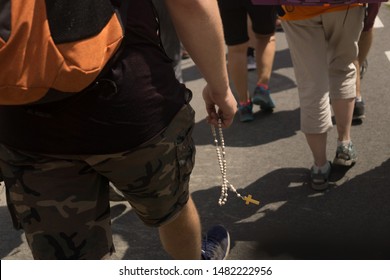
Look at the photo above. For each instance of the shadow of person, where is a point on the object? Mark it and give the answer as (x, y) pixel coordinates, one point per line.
(191, 73)
(349, 221)
(132, 239)
(279, 125)
(282, 59)
(10, 238)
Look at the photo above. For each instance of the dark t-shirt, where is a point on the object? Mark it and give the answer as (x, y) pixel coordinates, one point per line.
(110, 117)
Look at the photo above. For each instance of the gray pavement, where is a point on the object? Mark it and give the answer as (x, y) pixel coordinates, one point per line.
(269, 159)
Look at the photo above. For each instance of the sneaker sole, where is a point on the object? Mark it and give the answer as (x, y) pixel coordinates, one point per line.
(263, 105)
(343, 162)
(320, 187)
(228, 246)
(246, 119)
(358, 117)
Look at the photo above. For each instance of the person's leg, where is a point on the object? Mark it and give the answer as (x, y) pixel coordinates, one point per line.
(367, 35)
(263, 24)
(308, 45)
(317, 144)
(308, 52)
(364, 44)
(342, 71)
(265, 50)
(154, 178)
(344, 31)
(234, 18)
(237, 67)
(343, 109)
(60, 203)
(183, 232)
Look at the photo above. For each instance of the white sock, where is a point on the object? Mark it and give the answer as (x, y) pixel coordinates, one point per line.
(343, 143)
(323, 168)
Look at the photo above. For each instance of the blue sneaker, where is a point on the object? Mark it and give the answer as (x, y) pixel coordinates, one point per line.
(262, 97)
(245, 113)
(216, 243)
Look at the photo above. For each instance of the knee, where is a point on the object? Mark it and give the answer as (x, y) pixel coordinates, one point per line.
(239, 48)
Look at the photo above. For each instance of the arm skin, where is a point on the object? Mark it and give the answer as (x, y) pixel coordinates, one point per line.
(198, 24)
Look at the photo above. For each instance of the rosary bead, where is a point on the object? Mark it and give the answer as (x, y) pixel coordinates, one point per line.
(220, 149)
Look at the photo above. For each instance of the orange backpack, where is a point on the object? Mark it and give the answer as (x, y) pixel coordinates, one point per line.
(59, 45)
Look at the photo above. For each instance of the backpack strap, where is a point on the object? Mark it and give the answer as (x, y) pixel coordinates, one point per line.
(121, 8)
(73, 25)
(5, 20)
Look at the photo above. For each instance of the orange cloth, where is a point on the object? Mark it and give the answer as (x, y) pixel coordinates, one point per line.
(305, 12)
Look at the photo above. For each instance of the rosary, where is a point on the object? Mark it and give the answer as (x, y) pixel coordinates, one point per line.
(220, 148)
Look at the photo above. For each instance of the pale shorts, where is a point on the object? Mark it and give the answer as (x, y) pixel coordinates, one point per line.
(323, 49)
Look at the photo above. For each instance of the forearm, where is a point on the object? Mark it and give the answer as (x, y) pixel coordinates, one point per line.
(199, 27)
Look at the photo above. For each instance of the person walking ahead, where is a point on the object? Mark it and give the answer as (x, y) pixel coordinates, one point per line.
(132, 128)
(235, 22)
(323, 46)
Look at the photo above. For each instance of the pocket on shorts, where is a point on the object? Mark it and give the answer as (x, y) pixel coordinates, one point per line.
(185, 154)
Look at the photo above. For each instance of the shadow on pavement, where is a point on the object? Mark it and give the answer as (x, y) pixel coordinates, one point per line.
(278, 81)
(279, 125)
(349, 221)
(10, 238)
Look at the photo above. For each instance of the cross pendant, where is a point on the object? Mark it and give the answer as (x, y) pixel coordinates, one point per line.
(248, 199)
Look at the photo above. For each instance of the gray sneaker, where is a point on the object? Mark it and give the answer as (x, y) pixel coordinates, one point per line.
(320, 181)
(251, 63)
(358, 110)
(345, 155)
(216, 243)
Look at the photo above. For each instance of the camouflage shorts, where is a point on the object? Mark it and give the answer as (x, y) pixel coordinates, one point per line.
(62, 202)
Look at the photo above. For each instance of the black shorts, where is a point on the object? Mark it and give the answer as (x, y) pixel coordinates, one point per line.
(234, 18)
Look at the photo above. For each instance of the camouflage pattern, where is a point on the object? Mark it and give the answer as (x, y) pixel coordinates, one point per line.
(62, 202)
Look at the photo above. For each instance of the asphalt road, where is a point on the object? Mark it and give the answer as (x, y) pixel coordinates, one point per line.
(269, 159)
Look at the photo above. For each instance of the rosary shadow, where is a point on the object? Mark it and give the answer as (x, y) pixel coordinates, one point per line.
(348, 221)
(278, 125)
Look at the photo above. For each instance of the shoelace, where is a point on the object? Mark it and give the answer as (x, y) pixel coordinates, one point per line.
(210, 249)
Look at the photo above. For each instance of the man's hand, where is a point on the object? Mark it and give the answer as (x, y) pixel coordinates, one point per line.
(219, 105)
